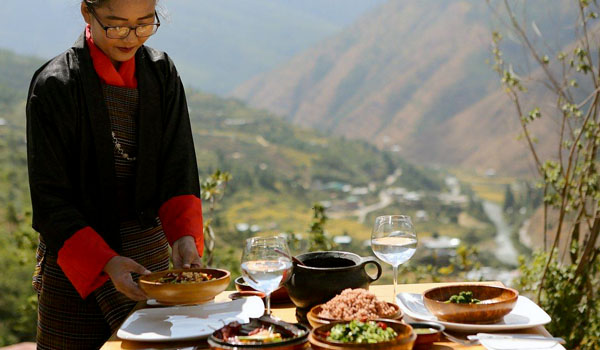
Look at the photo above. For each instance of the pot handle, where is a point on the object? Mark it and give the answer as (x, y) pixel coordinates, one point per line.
(371, 260)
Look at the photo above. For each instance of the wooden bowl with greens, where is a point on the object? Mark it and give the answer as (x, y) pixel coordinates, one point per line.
(470, 303)
(370, 335)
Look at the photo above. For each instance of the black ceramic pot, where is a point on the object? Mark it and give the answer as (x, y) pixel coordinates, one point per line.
(327, 274)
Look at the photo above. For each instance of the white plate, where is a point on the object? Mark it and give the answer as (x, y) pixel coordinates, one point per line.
(526, 314)
(187, 322)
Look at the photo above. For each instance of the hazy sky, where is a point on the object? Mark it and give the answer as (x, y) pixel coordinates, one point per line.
(218, 44)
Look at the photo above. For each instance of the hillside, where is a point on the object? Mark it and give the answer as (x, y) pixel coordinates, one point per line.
(264, 153)
(412, 75)
(17, 303)
(15, 73)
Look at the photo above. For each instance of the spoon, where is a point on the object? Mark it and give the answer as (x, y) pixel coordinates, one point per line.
(462, 341)
(293, 258)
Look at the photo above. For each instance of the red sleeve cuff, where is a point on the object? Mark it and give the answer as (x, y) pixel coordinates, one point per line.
(82, 258)
(182, 216)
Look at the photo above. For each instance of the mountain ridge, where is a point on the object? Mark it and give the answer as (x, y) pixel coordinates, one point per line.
(412, 76)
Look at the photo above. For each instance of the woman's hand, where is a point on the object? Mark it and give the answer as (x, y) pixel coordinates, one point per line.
(119, 268)
(185, 253)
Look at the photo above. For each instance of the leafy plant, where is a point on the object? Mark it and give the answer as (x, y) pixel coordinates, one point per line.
(317, 238)
(565, 285)
(575, 315)
(213, 190)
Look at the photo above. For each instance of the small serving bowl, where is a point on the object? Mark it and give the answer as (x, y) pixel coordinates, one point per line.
(246, 294)
(404, 341)
(298, 336)
(315, 320)
(279, 296)
(427, 333)
(495, 303)
(185, 293)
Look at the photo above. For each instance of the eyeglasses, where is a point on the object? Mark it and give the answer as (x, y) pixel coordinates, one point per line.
(122, 32)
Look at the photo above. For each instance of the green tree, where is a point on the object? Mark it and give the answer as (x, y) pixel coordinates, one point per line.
(317, 238)
(213, 190)
(509, 199)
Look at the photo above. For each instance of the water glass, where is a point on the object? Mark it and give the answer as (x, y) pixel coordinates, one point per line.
(394, 241)
(266, 263)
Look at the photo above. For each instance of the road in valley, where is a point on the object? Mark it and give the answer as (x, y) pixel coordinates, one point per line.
(506, 252)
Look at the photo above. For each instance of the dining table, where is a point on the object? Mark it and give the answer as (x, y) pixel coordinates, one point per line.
(287, 312)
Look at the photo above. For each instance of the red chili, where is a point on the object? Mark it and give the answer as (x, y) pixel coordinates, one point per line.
(256, 330)
(382, 325)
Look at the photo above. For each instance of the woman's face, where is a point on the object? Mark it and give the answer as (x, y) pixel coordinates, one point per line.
(127, 13)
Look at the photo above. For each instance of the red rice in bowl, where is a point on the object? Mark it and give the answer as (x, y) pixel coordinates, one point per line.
(358, 304)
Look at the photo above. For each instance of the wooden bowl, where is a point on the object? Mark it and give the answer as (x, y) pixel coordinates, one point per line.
(185, 293)
(279, 296)
(404, 341)
(315, 320)
(495, 303)
(246, 294)
(425, 340)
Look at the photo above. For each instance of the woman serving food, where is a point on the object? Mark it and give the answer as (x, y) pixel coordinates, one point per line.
(112, 173)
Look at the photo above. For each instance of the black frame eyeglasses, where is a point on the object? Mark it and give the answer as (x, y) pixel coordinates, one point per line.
(122, 32)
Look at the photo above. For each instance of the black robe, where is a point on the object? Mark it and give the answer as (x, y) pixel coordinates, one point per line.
(70, 149)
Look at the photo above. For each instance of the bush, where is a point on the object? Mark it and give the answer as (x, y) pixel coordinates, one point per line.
(575, 315)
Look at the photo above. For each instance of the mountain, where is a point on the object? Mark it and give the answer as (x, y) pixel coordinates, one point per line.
(215, 44)
(412, 75)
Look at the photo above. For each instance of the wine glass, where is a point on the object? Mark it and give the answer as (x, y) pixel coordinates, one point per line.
(394, 241)
(266, 261)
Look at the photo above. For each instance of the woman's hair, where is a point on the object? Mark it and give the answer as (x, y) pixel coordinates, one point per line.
(94, 4)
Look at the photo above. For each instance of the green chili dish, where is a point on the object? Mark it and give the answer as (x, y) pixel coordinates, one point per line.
(361, 332)
(464, 297)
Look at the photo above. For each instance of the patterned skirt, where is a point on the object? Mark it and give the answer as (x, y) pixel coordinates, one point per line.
(65, 321)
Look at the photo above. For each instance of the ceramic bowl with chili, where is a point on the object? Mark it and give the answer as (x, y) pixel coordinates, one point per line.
(260, 333)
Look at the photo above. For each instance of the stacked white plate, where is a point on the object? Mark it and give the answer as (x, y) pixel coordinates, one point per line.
(188, 322)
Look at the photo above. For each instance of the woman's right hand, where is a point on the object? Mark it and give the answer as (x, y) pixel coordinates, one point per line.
(119, 268)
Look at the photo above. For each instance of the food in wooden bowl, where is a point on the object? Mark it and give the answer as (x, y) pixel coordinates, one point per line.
(279, 296)
(377, 334)
(260, 333)
(185, 286)
(470, 303)
(353, 304)
(427, 333)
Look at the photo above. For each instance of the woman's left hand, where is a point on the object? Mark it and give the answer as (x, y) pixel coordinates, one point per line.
(185, 253)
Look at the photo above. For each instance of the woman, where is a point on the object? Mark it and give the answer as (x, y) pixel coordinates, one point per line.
(112, 172)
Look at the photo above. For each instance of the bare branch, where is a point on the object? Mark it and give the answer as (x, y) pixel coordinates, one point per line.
(587, 99)
(534, 53)
(587, 43)
(590, 246)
